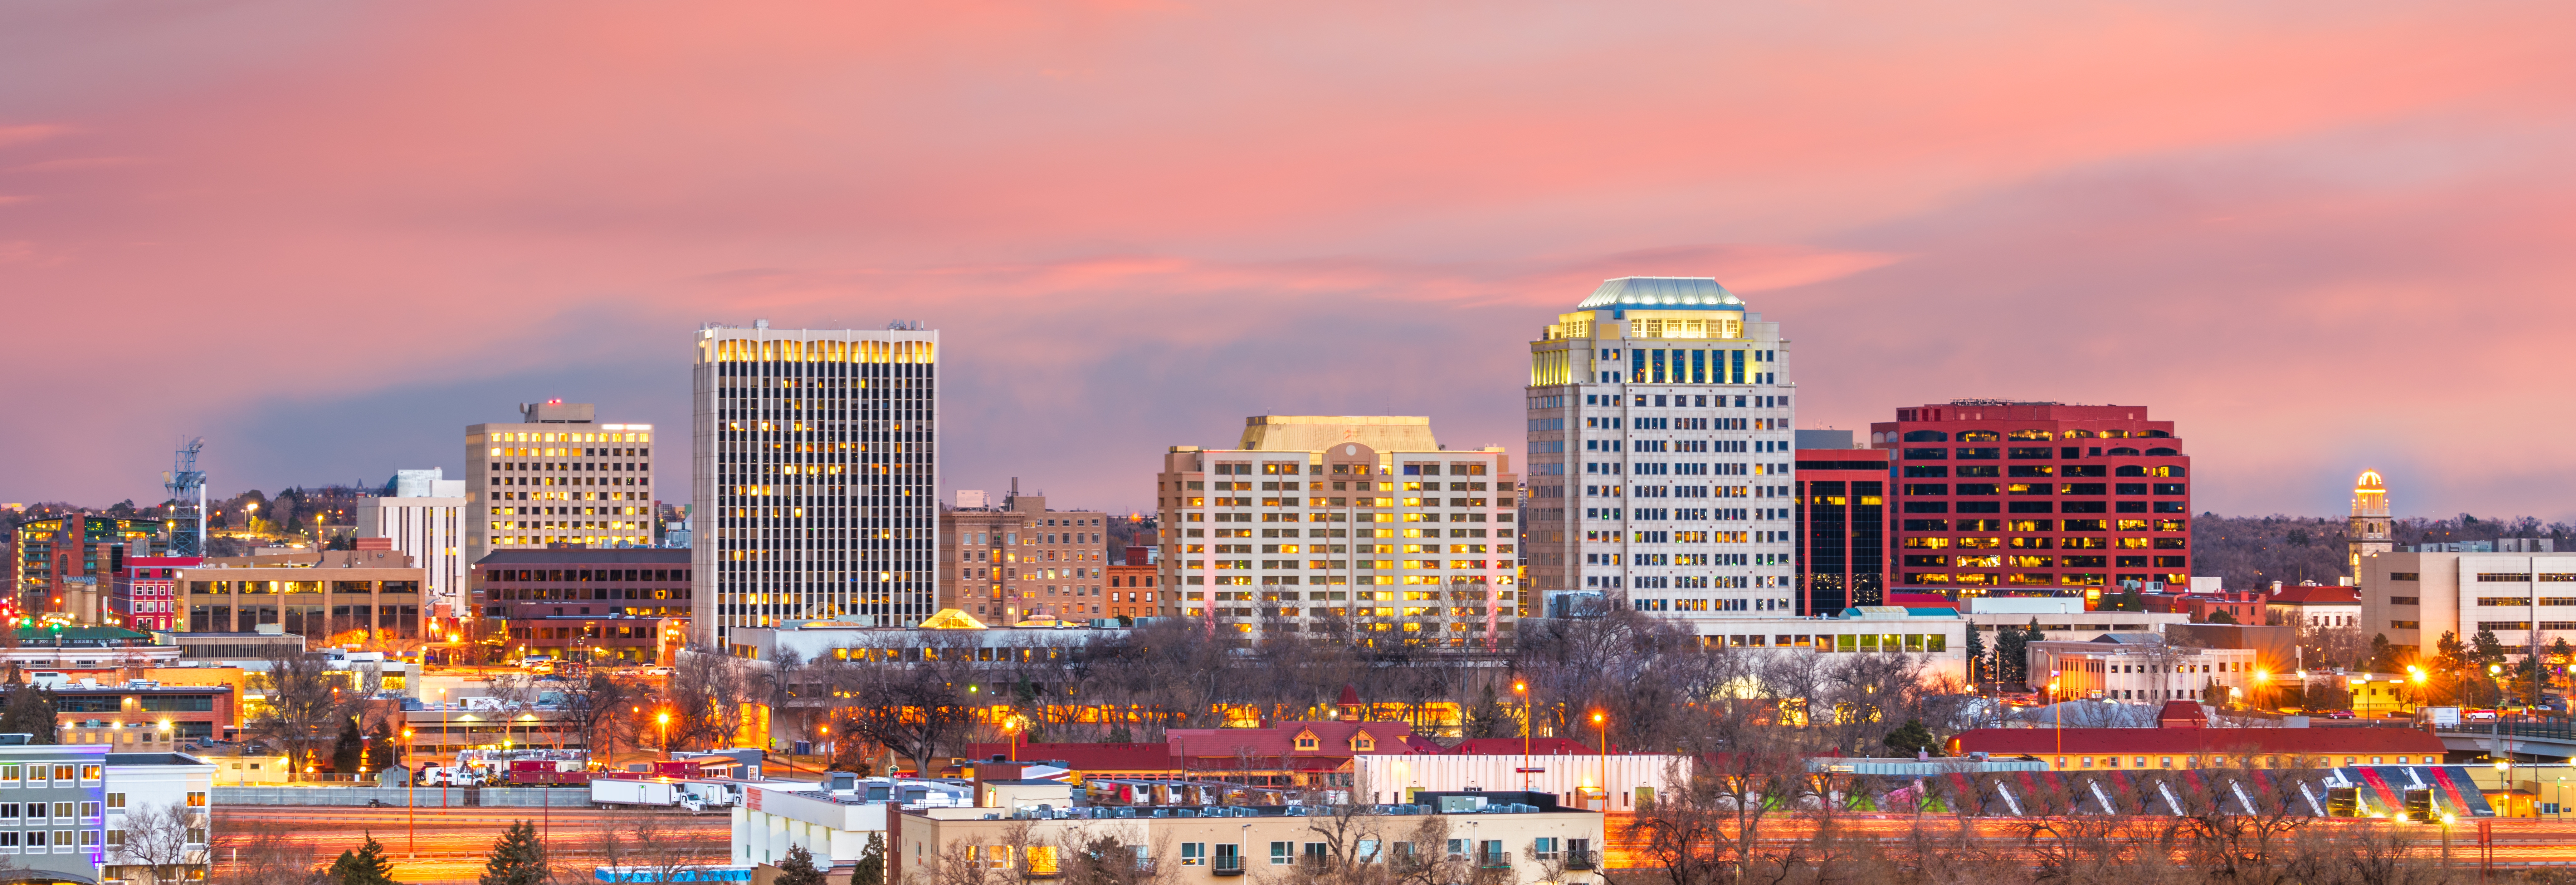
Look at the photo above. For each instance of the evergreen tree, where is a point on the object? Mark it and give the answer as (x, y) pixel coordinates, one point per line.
(345, 752)
(2011, 657)
(1976, 657)
(871, 867)
(517, 858)
(366, 865)
(2222, 616)
(1912, 738)
(1488, 718)
(798, 868)
(29, 710)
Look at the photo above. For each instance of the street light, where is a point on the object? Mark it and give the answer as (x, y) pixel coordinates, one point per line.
(664, 718)
(1603, 723)
(411, 830)
(1520, 688)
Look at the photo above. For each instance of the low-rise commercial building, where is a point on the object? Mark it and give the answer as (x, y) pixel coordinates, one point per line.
(1513, 837)
(2081, 749)
(626, 605)
(2138, 668)
(348, 597)
(82, 802)
(2313, 606)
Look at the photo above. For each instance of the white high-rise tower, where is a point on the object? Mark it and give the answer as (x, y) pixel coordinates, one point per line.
(815, 467)
(1660, 453)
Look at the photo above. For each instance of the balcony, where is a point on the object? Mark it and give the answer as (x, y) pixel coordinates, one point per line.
(1227, 866)
(1494, 860)
(1580, 859)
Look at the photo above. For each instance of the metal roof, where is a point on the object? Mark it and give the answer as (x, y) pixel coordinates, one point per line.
(1662, 293)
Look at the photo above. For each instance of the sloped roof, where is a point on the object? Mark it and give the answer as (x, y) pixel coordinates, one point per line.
(2317, 595)
(1280, 740)
(951, 619)
(2316, 741)
(1547, 746)
(1084, 757)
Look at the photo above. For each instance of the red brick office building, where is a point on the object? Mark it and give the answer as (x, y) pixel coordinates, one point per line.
(616, 605)
(2036, 498)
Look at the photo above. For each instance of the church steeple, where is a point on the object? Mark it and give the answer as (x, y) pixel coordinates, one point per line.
(2368, 529)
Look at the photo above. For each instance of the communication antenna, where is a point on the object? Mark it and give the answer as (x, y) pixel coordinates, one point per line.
(187, 511)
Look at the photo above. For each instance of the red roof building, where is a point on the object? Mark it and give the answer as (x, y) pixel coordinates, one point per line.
(1292, 753)
(1511, 746)
(2079, 749)
(1090, 760)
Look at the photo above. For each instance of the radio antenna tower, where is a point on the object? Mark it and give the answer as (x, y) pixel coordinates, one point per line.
(187, 511)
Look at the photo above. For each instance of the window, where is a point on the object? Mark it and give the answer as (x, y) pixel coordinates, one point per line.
(89, 809)
(2504, 577)
(2393, 576)
(196, 800)
(2405, 625)
(1193, 854)
(1229, 856)
(116, 800)
(1282, 853)
(1543, 848)
(91, 772)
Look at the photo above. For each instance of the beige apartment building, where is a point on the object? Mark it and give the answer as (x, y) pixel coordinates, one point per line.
(1356, 528)
(1021, 560)
(555, 477)
(323, 596)
(1442, 837)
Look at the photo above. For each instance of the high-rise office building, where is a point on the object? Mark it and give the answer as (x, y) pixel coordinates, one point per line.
(1841, 513)
(1368, 531)
(78, 556)
(2369, 525)
(2043, 497)
(557, 477)
(815, 474)
(1022, 560)
(1660, 474)
(423, 513)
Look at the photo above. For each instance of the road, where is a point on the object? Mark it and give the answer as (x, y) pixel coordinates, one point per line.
(2516, 842)
(450, 845)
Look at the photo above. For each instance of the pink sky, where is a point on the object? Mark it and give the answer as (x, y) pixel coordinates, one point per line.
(328, 235)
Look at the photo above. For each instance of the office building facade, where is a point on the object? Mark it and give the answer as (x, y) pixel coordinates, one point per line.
(1367, 531)
(1021, 560)
(557, 477)
(345, 597)
(423, 514)
(621, 605)
(815, 476)
(2044, 498)
(2415, 599)
(1660, 451)
(1841, 535)
(57, 560)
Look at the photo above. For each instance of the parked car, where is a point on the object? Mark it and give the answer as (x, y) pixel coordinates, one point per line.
(2339, 714)
(2477, 715)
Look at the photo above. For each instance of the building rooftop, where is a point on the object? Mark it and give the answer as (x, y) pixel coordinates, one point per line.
(572, 555)
(1662, 293)
(2047, 741)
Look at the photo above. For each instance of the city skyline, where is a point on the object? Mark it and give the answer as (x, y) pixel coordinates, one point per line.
(2080, 219)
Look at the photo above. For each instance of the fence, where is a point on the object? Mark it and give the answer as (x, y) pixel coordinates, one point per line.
(425, 797)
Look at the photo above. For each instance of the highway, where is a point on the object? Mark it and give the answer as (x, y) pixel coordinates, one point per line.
(450, 845)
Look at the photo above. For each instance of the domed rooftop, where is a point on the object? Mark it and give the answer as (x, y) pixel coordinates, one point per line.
(1662, 293)
(2370, 480)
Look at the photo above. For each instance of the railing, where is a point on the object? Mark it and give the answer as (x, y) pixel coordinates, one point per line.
(1227, 866)
(1582, 860)
(1494, 860)
(1036, 871)
(2555, 728)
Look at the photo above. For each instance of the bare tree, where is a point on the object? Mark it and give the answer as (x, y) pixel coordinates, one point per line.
(165, 839)
(706, 693)
(302, 706)
(265, 854)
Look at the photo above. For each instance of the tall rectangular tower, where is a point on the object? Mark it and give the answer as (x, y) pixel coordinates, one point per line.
(815, 474)
(1660, 462)
(423, 513)
(557, 477)
(2041, 498)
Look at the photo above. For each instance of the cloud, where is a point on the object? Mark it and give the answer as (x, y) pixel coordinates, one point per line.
(2316, 242)
(30, 133)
